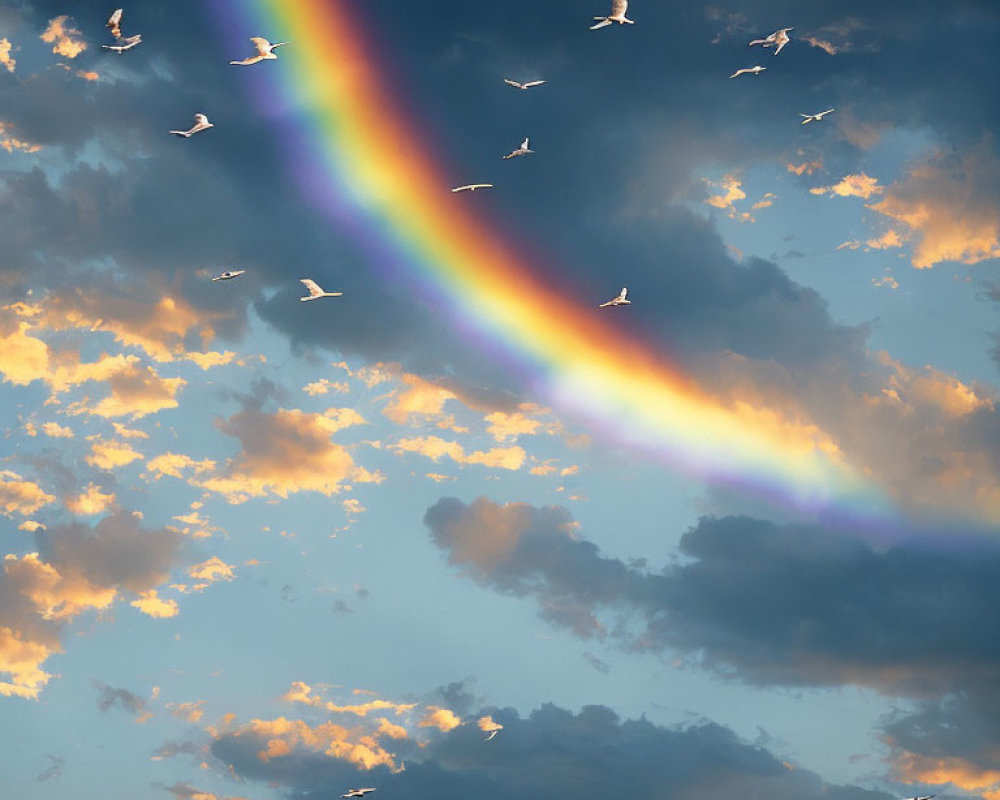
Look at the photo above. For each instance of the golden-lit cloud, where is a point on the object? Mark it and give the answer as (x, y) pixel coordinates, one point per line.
(323, 386)
(211, 359)
(806, 167)
(175, 465)
(6, 59)
(189, 712)
(91, 501)
(420, 398)
(940, 770)
(283, 453)
(211, 571)
(732, 192)
(152, 605)
(87, 75)
(66, 40)
(301, 692)
(57, 431)
(487, 724)
(56, 594)
(137, 391)
(435, 448)
(110, 454)
(10, 142)
(861, 185)
(947, 206)
(504, 427)
(21, 662)
(443, 719)
(21, 496)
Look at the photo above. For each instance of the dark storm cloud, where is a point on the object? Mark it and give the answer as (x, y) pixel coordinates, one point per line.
(772, 604)
(555, 753)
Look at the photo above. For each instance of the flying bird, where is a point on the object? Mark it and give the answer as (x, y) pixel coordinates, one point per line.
(923, 797)
(521, 151)
(814, 117)
(493, 733)
(265, 51)
(471, 187)
(748, 71)
(201, 123)
(518, 85)
(778, 39)
(315, 293)
(114, 23)
(355, 792)
(617, 301)
(229, 274)
(125, 44)
(618, 9)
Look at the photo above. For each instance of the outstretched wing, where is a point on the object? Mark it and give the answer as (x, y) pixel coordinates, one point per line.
(602, 24)
(114, 23)
(618, 8)
(529, 84)
(624, 292)
(315, 291)
(524, 145)
(263, 45)
(515, 84)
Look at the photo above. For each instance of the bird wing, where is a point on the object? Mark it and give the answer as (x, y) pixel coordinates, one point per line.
(263, 45)
(780, 45)
(739, 72)
(618, 8)
(114, 23)
(524, 145)
(602, 24)
(529, 84)
(515, 84)
(315, 291)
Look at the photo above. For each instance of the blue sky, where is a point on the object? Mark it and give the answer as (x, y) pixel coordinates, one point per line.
(261, 549)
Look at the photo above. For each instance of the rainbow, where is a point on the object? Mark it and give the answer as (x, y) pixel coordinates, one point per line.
(361, 171)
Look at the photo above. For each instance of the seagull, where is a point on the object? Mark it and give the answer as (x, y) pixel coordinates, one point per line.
(815, 117)
(201, 123)
(617, 301)
(114, 23)
(471, 187)
(521, 151)
(924, 797)
(265, 51)
(356, 792)
(315, 292)
(493, 733)
(778, 39)
(618, 9)
(229, 274)
(126, 44)
(748, 71)
(518, 85)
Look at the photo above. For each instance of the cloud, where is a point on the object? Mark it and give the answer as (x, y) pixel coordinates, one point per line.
(421, 398)
(504, 427)
(860, 185)
(301, 692)
(21, 496)
(152, 605)
(91, 501)
(211, 571)
(66, 40)
(10, 142)
(6, 59)
(185, 791)
(443, 719)
(110, 455)
(435, 448)
(948, 206)
(110, 697)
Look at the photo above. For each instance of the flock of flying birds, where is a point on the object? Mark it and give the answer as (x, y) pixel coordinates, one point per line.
(265, 52)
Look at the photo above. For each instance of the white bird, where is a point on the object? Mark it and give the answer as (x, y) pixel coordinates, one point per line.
(778, 39)
(748, 71)
(315, 293)
(815, 117)
(493, 733)
(114, 23)
(265, 51)
(201, 123)
(617, 301)
(229, 274)
(924, 797)
(518, 85)
(618, 9)
(521, 151)
(126, 44)
(358, 792)
(471, 187)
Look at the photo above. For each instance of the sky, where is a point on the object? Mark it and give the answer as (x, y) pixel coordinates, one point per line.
(740, 535)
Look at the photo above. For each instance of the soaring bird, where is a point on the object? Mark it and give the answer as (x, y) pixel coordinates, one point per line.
(126, 43)
(357, 792)
(748, 71)
(114, 23)
(518, 85)
(814, 117)
(315, 293)
(617, 301)
(229, 274)
(618, 9)
(265, 51)
(471, 187)
(778, 39)
(521, 151)
(924, 797)
(201, 123)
